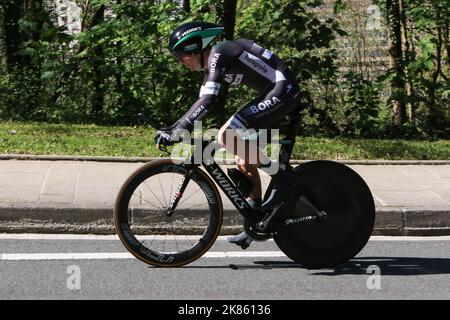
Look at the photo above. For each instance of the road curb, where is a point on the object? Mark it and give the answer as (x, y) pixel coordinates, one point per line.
(89, 220)
(148, 159)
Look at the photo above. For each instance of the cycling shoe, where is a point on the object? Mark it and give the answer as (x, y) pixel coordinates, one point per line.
(243, 240)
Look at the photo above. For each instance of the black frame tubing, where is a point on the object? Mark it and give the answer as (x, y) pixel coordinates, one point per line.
(230, 189)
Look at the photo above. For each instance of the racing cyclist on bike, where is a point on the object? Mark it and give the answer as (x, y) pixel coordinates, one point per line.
(239, 62)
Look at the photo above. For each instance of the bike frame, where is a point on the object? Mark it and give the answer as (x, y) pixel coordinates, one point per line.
(228, 186)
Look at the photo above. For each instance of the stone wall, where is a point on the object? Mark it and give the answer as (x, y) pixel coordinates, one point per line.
(68, 14)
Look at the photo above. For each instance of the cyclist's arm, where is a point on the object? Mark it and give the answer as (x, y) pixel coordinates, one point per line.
(195, 113)
(208, 92)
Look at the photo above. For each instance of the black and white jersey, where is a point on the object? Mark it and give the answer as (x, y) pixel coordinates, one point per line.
(239, 62)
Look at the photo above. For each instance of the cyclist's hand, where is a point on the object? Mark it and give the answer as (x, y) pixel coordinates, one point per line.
(163, 139)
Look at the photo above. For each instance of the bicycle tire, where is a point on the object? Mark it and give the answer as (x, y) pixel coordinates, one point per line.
(350, 208)
(124, 215)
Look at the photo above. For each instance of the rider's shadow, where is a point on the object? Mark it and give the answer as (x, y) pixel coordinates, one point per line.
(394, 266)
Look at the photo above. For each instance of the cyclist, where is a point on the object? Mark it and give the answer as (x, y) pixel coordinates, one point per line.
(239, 62)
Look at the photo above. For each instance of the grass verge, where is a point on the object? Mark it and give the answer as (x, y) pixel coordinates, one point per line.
(93, 140)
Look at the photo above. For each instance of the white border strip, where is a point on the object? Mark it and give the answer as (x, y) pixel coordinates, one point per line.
(35, 236)
(64, 256)
(125, 255)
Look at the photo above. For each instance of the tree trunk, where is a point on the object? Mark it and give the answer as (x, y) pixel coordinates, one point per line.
(226, 16)
(396, 62)
(13, 11)
(407, 51)
(446, 35)
(35, 7)
(437, 72)
(98, 78)
(118, 72)
(35, 14)
(187, 6)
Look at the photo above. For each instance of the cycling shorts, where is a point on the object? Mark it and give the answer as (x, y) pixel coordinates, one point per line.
(269, 109)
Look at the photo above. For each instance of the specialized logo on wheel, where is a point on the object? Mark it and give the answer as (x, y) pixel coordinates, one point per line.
(156, 256)
(298, 220)
(208, 192)
(128, 234)
(174, 168)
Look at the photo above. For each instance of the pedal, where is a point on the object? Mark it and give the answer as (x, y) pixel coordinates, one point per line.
(244, 244)
(254, 233)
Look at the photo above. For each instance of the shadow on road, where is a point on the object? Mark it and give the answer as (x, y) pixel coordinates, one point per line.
(392, 266)
(255, 265)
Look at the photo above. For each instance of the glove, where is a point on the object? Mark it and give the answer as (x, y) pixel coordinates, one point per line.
(163, 138)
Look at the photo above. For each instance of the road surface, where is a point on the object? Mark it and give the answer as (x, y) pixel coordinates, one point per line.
(98, 267)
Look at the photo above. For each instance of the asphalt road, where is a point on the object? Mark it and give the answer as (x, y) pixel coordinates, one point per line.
(88, 267)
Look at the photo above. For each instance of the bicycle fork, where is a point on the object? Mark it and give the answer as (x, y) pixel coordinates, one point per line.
(178, 193)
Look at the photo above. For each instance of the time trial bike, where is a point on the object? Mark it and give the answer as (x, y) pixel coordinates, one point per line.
(324, 221)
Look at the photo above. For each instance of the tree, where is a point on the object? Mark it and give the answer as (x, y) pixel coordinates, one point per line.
(396, 62)
(226, 16)
(187, 6)
(428, 34)
(12, 12)
(97, 65)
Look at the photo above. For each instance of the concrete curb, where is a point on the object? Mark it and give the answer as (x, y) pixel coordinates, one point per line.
(148, 159)
(84, 220)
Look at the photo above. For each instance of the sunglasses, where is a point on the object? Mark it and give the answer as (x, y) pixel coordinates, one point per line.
(179, 55)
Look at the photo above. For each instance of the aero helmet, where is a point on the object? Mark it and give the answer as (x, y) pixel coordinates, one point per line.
(193, 37)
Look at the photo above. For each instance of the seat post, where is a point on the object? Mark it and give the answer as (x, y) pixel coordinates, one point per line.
(287, 144)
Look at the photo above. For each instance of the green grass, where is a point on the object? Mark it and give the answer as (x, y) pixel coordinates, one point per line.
(83, 140)
(371, 149)
(93, 140)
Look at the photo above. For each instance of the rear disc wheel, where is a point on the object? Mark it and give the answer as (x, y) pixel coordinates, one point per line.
(350, 209)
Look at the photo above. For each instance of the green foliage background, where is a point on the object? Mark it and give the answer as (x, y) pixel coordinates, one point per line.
(56, 72)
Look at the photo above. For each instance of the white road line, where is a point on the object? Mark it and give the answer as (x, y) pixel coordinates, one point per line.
(125, 255)
(32, 236)
(64, 256)
(410, 238)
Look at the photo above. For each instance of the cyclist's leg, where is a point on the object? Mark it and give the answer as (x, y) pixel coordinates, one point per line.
(248, 157)
(251, 171)
(265, 112)
(232, 137)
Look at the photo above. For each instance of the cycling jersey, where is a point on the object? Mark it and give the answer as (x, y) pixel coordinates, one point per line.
(243, 62)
